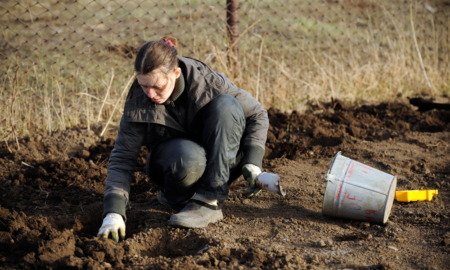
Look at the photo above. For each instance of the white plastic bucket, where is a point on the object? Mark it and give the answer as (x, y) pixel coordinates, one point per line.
(357, 191)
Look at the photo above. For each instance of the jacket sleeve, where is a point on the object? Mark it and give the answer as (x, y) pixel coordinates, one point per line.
(257, 126)
(122, 165)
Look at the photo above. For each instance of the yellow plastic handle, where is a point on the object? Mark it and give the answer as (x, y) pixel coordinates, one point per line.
(415, 195)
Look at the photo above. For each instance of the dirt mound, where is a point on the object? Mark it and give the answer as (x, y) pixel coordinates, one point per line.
(52, 187)
(335, 126)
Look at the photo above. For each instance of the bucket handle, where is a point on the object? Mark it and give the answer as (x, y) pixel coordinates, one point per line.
(330, 177)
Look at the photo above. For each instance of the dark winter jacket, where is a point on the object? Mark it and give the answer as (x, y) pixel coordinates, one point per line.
(145, 122)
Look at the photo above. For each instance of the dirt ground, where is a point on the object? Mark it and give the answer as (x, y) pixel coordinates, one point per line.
(51, 200)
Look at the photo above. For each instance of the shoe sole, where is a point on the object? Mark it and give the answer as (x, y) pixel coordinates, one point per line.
(186, 224)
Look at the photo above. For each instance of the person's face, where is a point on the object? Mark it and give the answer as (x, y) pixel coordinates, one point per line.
(157, 85)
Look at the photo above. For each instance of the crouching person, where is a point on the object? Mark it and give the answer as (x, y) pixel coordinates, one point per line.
(202, 132)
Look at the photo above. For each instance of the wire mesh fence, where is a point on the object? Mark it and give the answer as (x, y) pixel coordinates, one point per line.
(66, 62)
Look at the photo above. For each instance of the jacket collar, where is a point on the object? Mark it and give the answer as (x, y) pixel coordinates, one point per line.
(177, 90)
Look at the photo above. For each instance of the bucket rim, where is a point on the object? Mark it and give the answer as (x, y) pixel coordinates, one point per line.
(332, 162)
(328, 173)
(389, 202)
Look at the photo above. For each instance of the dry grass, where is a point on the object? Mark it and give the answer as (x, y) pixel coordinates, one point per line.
(71, 70)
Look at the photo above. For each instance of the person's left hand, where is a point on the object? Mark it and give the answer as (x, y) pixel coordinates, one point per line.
(250, 172)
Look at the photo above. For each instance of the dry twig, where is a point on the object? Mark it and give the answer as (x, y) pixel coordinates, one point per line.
(127, 86)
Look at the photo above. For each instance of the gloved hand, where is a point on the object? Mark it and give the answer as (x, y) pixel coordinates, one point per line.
(112, 224)
(250, 172)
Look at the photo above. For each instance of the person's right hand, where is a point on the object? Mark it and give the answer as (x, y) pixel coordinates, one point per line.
(113, 225)
(250, 172)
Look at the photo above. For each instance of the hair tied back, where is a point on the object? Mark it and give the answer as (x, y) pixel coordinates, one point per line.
(168, 42)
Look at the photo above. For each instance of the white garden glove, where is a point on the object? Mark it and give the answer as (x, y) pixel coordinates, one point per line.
(250, 172)
(112, 224)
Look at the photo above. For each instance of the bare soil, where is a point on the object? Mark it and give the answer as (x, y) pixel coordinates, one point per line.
(51, 200)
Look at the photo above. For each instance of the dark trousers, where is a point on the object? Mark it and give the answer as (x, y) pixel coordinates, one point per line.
(207, 164)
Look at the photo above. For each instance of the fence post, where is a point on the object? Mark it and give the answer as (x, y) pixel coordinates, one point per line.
(233, 34)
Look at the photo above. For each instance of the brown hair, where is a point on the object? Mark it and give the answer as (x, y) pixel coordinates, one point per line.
(157, 54)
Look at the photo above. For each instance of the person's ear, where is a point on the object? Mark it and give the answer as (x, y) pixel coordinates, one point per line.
(177, 72)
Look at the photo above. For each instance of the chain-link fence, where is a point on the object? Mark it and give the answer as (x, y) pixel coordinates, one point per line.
(67, 62)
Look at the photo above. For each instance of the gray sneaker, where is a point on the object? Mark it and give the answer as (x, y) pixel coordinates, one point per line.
(196, 214)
